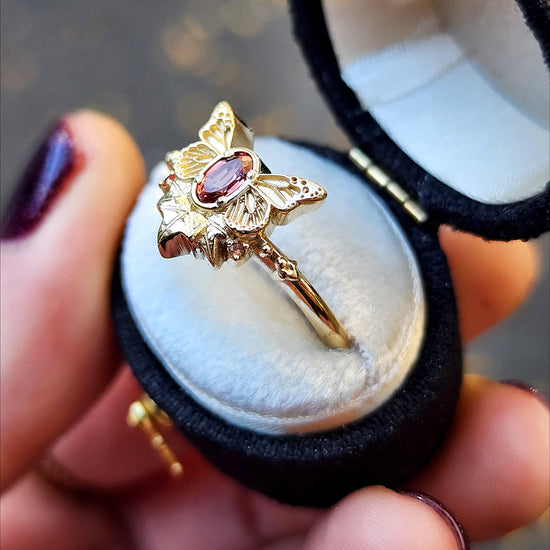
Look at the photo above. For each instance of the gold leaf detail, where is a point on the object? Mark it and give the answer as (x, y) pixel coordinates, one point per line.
(214, 248)
(183, 202)
(178, 218)
(194, 225)
(173, 244)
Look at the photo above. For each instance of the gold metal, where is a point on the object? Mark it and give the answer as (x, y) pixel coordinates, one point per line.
(146, 415)
(359, 158)
(378, 175)
(382, 179)
(237, 226)
(286, 272)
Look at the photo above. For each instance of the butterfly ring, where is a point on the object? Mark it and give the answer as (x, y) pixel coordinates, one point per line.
(221, 203)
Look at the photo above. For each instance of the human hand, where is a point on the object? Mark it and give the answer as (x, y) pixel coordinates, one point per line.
(65, 392)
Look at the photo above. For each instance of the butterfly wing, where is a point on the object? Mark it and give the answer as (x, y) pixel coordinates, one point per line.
(249, 212)
(290, 195)
(218, 132)
(191, 160)
(216, 138)
(252, 210)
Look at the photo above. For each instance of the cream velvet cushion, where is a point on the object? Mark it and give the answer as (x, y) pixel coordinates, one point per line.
(235, 342)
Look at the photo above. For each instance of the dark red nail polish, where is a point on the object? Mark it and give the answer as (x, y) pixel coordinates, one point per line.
(46, 174)
(526, 387)
(450, 520)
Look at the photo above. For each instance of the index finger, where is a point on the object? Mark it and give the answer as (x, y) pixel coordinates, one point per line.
(58, 248)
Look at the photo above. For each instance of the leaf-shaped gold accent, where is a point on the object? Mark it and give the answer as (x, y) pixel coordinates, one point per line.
(180, 227)
(287, 192)
(174, 203)
(171, 211)
(194, 225)
(177, 211)
(191, 160)
(217, 133)
(214, 248)
(172, 245)
(248, 212)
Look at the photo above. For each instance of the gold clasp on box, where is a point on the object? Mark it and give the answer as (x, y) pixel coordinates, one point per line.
(147, 416)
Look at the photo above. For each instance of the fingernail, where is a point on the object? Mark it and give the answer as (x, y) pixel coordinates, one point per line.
(450, 520)
(46, 175)
(526, 387)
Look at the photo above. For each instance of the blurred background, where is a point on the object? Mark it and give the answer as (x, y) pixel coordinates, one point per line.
(159, 68)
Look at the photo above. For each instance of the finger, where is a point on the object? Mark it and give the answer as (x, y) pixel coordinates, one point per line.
(293, 542)
(58, 348)
(36, 515)
(491, 279)
(376, 517)
(492, 471)
(160, 511)
(101, 451)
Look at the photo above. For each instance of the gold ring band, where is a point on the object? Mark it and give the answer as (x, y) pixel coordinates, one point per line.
(221, 203)
(300, 290)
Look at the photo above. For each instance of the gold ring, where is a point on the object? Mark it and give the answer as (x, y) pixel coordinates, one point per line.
(221, 203)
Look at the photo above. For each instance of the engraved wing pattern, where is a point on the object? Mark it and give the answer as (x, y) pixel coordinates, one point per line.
(249, 212)
(218, 132)
(216, 136)
(253, 209)
(288, 192)
(190, 161)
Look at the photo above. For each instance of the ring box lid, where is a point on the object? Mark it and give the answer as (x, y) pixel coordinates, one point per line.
(451, 131)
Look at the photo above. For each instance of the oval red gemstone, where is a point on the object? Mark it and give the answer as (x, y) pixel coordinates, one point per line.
(224, 177)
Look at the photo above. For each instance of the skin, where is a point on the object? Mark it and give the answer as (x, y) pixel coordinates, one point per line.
(70, 399)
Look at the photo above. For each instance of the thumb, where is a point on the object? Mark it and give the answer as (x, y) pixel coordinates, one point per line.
(60, 236)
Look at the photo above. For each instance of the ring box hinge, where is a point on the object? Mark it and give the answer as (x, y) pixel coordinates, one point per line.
(382, 179)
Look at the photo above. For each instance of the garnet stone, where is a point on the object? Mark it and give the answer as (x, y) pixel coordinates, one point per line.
(224, 177)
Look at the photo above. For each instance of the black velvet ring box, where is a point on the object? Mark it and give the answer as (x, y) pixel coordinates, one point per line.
(440, 136)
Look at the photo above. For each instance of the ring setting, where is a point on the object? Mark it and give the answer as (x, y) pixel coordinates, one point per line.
(221, 203)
